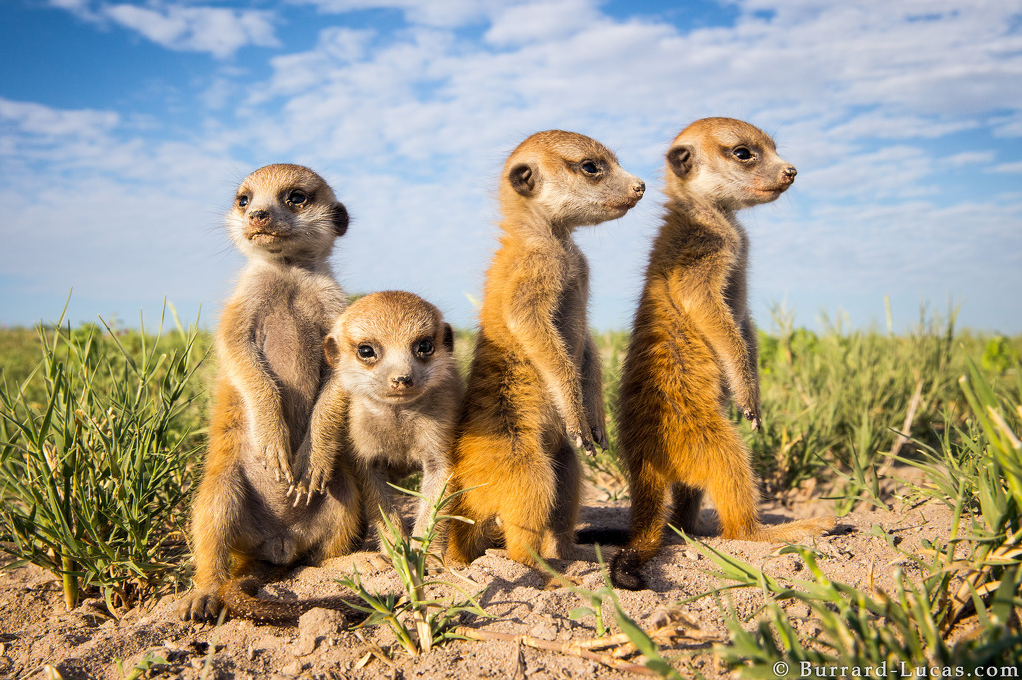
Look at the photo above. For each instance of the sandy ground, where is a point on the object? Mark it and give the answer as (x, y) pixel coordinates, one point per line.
(36, 631)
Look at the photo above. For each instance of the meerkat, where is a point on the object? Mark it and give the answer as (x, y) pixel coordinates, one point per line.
(693, 344)
(392, 399)
(285, 219)
(534, 389)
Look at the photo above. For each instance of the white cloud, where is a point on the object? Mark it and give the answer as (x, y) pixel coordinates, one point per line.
(969, 158)
(219, 31)
(540, 22)
(449, 13)
(35, 119)
(1008, 167)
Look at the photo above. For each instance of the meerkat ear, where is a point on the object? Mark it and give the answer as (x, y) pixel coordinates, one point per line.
(523, 179)
(331, 351)
(679, 160)
(340, 218)
(448, 337)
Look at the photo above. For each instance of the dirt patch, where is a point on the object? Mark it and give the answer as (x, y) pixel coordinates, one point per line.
(36, 630)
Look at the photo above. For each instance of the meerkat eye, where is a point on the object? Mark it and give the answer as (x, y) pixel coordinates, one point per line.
(297, 198)
(424, 348)
(590, 168)
(366, 352)
(741, 153)
(241, 200)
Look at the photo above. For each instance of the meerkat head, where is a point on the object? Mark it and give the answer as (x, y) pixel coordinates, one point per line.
(728, 162)
(391, 347)
(286, 212)
(567, 179)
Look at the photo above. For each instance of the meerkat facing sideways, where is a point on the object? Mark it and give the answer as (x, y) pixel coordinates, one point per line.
(392, 400)
(693, 342)
(535, 386)
(269, 343)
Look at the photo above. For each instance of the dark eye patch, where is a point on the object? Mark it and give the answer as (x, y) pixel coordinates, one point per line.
(424, 348)
(297, 198)
(742, 153)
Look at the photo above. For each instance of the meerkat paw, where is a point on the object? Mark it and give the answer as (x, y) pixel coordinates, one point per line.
(586, 445)
(748, 403)
(311, 483)
(754, 418)
(582, 435)
(200, 605)
(276, 458)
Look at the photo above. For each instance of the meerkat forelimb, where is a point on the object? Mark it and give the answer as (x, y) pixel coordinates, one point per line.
(534, 391)
(693, 345)
(284, 219)
(393, 397)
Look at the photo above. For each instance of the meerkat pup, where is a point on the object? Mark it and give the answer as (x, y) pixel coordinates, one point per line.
(392, 399)
(693, 344)
(269, 344)
(534, 390)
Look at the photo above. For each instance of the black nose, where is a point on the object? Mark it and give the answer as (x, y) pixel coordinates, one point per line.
(400, 382)
(639, 187)
(790, 172)
(258, 216)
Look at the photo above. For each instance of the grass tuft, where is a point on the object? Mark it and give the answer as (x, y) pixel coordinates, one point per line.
(94, 453)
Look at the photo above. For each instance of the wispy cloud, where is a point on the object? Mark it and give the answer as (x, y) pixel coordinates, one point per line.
(449, 14)
(219, 31)
(1008, 167)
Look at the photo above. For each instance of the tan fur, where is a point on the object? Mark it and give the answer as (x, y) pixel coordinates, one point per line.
(535, 384)
(693, 344)
(392, 400)
(284, 219)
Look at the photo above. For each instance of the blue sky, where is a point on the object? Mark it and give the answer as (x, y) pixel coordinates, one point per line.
(125, 127)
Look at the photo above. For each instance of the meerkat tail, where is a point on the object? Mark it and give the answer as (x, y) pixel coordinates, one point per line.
(239, 596)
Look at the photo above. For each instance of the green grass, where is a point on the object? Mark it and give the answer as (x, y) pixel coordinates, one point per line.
(97, 451)
(101, 434)
(975, 576)
(418, 621)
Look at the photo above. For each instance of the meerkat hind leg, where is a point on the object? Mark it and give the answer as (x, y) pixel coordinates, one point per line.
(648, 491)
(466, 542)
(730, 482)
(525, 512)
(687, 502)
(379, 503)
(559, 541)
(433, 483)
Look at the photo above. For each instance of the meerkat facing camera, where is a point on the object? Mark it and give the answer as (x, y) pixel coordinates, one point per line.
(392, 399)
(284, 219)
(534, 391)
(693, 344)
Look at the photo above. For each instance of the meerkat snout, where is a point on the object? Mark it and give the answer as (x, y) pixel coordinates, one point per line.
(258, 218)
(401, 382)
